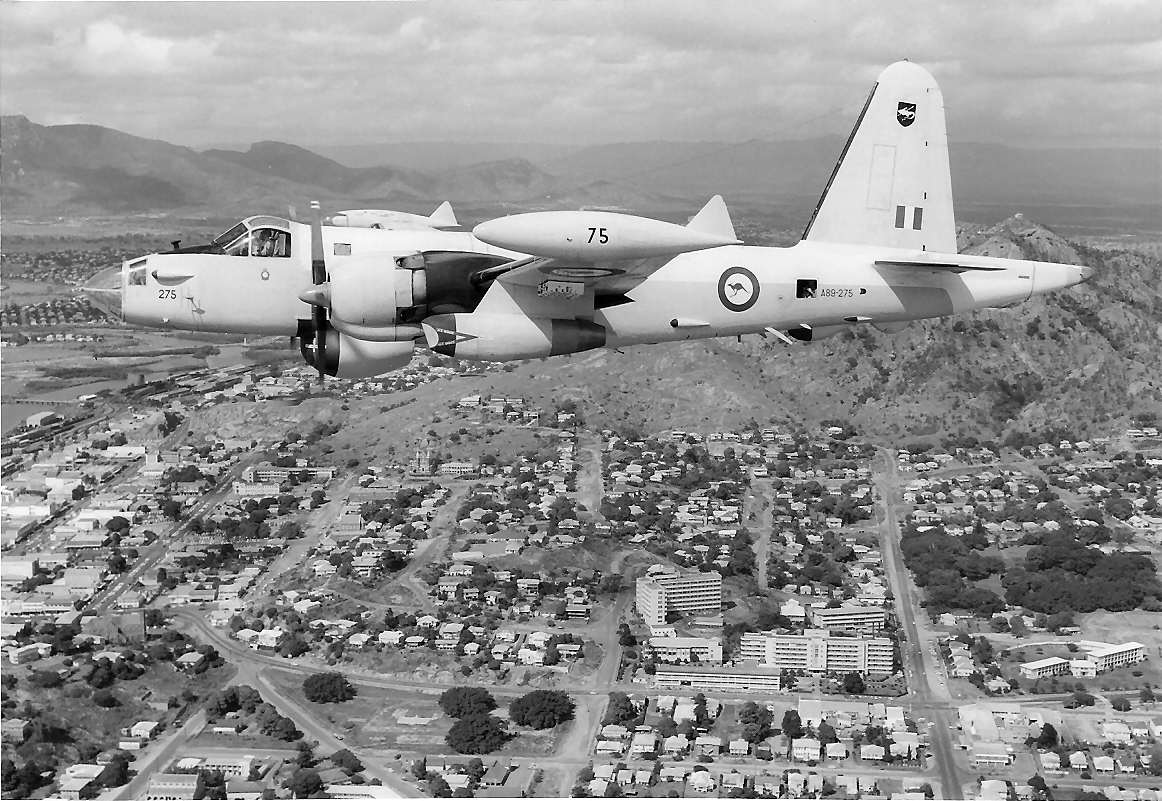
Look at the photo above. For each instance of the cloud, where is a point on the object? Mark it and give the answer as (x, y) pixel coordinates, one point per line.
(197, 73)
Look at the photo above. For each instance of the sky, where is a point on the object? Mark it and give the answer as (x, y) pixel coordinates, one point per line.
(1076, 73)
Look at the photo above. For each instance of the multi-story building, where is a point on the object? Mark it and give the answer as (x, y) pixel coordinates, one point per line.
(1112, 657)
(268, 473)
(1050, 666)
(817, 651)
(723, 679)
(687, 649)
(862, 619)
(662, 591)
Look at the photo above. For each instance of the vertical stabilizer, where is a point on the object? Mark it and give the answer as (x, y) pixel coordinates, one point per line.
(892, 185)
(714, 218)
(443, 216)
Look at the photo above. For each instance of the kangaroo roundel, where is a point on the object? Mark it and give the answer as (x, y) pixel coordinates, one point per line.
(738, 289)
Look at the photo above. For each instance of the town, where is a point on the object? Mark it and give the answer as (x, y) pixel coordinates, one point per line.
(520, 601)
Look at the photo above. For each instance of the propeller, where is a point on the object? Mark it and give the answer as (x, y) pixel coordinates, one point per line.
(319, 323)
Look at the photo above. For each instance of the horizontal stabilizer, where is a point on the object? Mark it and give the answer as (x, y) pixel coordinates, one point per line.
(443, 216)
(935, 265)
(713, 219)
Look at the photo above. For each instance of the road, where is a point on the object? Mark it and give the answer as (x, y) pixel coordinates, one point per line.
(104, 600)
(157, 756)
(758, 519)
(927, 684)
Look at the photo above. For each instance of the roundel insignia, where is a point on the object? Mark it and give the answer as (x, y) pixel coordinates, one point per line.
(738, 289)
(264, 275)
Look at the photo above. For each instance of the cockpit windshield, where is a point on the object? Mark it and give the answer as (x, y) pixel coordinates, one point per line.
(257, 236)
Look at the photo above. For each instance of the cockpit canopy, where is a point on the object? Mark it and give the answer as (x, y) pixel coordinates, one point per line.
(257, 236)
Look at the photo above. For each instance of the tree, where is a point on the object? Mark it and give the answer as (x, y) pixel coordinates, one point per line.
(542, 709)
(1156, 760)
(620, 709)
(827, 733)
(106, 699)
(853, 683)
(347, 761)
(476, 733)
(304, 783)
(328, 688)
(1047, 739)
(461, 701)
(792, 725)
(438, 787)
(1120, 704)
(756, 722)
(116, 773)
(284, 729)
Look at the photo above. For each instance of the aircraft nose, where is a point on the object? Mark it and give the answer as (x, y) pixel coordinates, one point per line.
(103, 289)
(1084, 274)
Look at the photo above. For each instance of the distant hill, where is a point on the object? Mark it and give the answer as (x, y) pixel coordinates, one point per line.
(85, 169)
(301, 166)
(437, 156)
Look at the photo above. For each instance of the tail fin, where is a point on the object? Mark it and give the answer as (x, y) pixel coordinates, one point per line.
(443, 216)
(892, 185)
(714, 218)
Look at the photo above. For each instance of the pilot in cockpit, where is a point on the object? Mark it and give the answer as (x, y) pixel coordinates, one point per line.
(264, 241)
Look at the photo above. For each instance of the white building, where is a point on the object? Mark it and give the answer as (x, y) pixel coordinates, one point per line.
(662, 591)
(819, 652)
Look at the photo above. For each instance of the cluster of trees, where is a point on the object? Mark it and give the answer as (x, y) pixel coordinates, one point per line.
(944, 564)
(244, 698)
(22, 782)
(395, 509)
(328, 688)
(475, 730)
(1063, 575)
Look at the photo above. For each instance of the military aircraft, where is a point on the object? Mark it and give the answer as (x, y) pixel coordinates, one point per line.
(880, 250)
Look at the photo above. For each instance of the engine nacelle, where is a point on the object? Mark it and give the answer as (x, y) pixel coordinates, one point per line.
(347, 357)
(814, 333)
(503, 337)
(368, 293)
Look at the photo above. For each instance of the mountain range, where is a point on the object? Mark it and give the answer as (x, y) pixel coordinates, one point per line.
(61, 170)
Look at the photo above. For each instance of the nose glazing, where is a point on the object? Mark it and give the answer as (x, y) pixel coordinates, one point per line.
(103, 289)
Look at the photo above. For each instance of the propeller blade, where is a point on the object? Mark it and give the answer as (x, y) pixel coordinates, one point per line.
(319, 276)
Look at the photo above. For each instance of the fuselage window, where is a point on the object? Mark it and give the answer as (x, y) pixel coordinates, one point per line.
(137, 276)
(806, 288)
